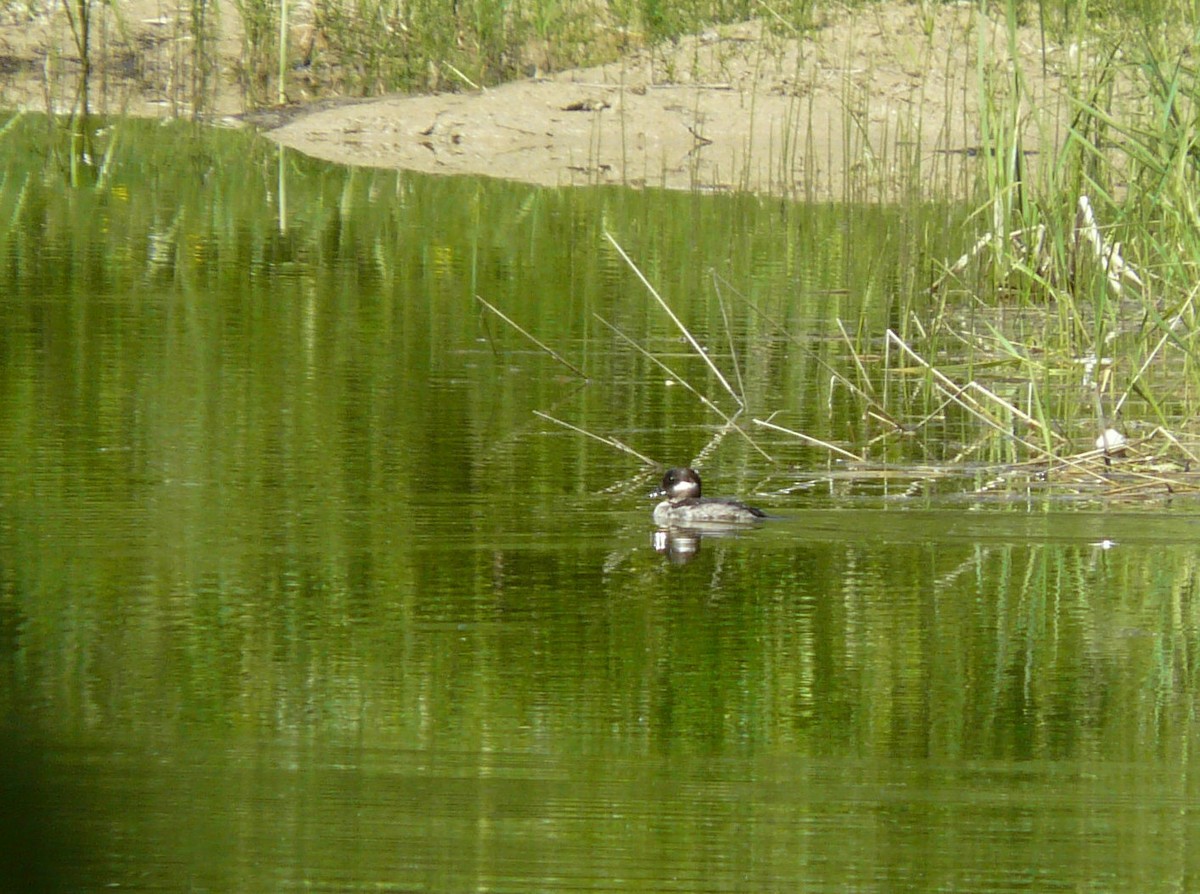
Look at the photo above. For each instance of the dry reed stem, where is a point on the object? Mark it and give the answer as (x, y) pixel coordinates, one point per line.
(808, 439)
(1174, 440)
(817, 358)
(958, 393)
(567, 363)
(463, 77)
(611, 442)
(862, 371)
(733, 357)
(674, 319)
(728, 420)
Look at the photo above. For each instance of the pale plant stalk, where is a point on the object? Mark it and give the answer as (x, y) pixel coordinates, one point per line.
(611, 442)
(733, 356)
(808, 439)
(953, 388)
(674, 319)
(725, 417)
(542, 345)
(1176, 321)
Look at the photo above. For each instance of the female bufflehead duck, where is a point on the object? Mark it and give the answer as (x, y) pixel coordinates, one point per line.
(684, 505)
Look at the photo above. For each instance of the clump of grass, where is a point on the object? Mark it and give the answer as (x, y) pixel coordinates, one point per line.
(1083, 275)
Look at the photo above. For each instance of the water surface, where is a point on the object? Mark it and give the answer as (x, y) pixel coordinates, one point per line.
(296, 591)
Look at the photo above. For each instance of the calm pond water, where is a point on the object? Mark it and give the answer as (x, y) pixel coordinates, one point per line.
(297, 591)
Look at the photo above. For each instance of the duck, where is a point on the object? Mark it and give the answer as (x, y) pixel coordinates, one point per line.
(684, 504)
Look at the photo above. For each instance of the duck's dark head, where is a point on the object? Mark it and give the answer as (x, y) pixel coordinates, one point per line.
(680, 484)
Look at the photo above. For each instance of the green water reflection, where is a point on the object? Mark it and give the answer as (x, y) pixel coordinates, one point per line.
(295, 590)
